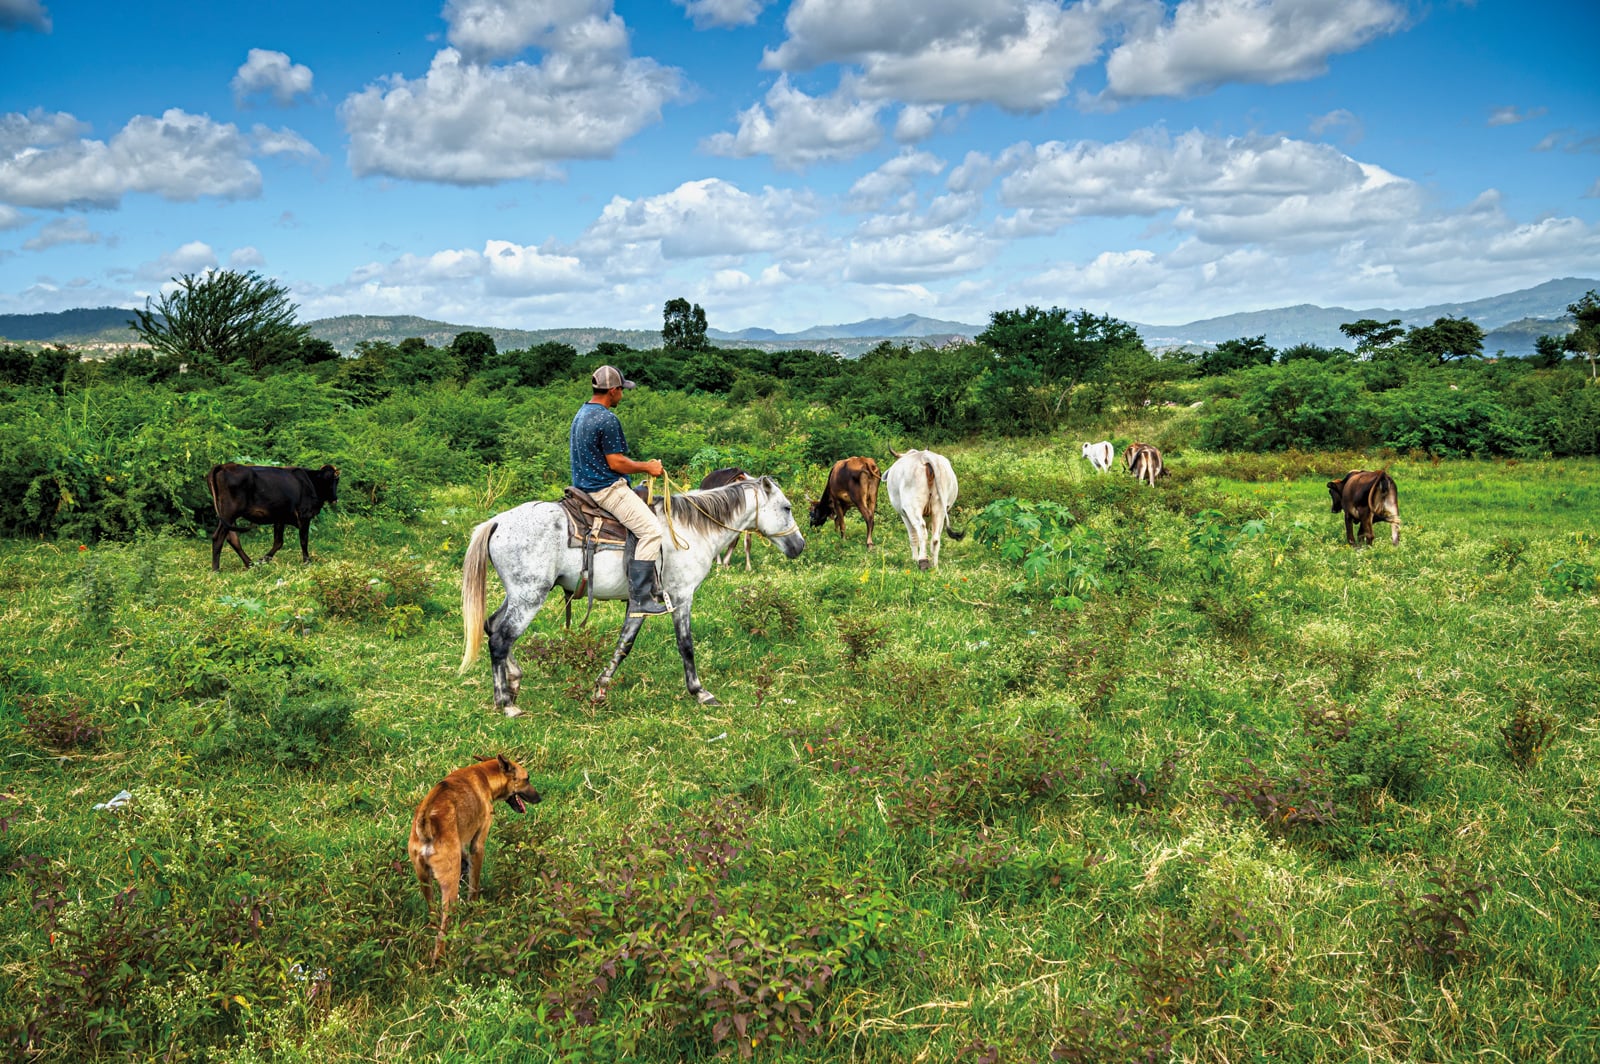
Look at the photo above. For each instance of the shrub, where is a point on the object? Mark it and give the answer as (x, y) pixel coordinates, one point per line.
(763, 609)
(347, 590)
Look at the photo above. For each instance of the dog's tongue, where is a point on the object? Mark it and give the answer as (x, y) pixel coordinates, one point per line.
(516, 803)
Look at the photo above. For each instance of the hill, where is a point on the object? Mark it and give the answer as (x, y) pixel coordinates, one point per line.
(1512, 322)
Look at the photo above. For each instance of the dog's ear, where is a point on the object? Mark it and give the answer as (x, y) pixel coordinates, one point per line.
(505, 764)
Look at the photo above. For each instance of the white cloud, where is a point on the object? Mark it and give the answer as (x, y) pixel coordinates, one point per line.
(893, 179)
(246, 258)
(1223, 189)
(283, 142)
(61, 231)
(193, 257)
(1338, 119)
(717, 13)
(24, 15)
(484, 30)
(916, 123)
(11, 218)
(698, 219)
(178, 156)
(1017, 54)
(473, 125)
(271, 73)
(1212, 42)
(910, 257)
(798, 130)
(1510, 116)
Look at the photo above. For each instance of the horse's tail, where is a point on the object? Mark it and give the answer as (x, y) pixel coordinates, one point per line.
(474, 575)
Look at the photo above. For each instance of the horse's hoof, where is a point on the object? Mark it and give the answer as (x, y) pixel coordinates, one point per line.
(513, 711)
(923, 565)
(706, 698)
(599, 696)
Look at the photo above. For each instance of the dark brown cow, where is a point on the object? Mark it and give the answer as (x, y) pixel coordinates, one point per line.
(283, 495)
(1144, 462)
(1366, 496)
(851, 482)
(719, 478)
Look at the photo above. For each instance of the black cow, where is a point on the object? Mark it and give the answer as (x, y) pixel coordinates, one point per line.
(283, 495)
(718, 478)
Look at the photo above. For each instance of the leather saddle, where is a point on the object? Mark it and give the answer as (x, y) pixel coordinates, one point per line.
(591, 528)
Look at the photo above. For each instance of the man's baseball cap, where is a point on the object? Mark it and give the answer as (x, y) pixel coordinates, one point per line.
(608, 377)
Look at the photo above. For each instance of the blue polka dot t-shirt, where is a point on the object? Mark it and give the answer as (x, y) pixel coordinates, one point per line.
(596, 432)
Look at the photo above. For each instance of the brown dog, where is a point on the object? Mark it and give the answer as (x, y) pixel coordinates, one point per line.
(452, 825)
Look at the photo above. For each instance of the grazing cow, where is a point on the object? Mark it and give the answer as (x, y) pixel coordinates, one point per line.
(719, 478)
(1100, 455)
(851, 482)
(922, 489)
(1365, 497)
(283, 495)
(1144, 462)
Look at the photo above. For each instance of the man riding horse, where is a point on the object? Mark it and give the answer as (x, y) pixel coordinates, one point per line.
(600, 468)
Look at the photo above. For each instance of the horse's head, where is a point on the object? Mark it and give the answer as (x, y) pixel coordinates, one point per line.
(775, 518)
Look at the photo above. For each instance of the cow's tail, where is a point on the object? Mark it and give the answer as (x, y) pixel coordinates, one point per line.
(474, 576)
(211, 485)
(1390, 491)
(933, 493)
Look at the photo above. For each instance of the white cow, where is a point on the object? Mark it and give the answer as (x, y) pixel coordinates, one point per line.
(922, 489)
(1100, 455)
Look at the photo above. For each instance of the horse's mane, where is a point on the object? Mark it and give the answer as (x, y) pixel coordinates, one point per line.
(708, 510)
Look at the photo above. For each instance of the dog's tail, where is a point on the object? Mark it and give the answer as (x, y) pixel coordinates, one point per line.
(474, 575)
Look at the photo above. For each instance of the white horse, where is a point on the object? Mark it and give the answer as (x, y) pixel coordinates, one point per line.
(528, 548)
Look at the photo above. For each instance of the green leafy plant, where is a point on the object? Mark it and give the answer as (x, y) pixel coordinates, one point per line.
(1567, 578)
(1528, 734)
(1433, 926)
(404, 621)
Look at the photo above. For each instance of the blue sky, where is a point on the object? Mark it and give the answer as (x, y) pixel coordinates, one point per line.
(551, 163)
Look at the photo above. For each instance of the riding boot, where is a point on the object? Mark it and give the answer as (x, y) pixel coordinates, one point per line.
(644, 596)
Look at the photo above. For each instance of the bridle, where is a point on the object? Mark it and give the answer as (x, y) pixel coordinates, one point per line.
(666, 495)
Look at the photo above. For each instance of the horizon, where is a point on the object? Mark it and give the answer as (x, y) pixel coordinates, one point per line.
(527, 164)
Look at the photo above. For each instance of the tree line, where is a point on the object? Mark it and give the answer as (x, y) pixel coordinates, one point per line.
(107, 446)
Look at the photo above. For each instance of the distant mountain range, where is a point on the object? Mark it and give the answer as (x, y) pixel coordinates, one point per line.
(1511, 323)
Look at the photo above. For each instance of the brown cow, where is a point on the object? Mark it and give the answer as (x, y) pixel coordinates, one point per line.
(719, 478)
(282, 495)
(1144, 462)
(851, 482)
(1366, 496)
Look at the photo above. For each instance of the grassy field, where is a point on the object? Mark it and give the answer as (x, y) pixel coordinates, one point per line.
(1209, 786)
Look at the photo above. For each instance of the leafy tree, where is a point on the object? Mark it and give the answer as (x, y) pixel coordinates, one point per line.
(683, 327)
(18, 365)
(1231, 355)
(315, 351)
(1447, 339)
(1314, 352)
(1585, 340)
(415, 361)
(1373, 337)
(472, 350)
(1040, 356)
(221, 317)
(1548, 352)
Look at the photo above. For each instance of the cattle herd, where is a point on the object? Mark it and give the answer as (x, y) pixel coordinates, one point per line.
(922, 490)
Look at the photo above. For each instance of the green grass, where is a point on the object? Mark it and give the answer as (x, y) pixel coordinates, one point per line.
(964, 841)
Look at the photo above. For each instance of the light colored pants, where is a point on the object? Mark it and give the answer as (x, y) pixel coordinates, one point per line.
(625, 506)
